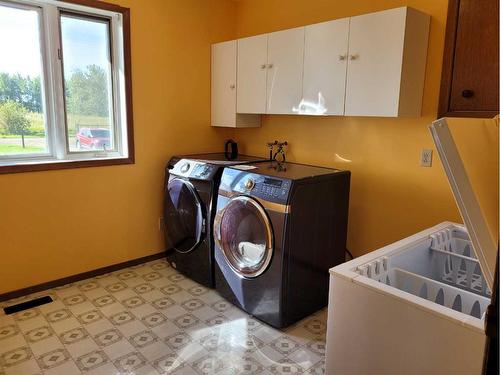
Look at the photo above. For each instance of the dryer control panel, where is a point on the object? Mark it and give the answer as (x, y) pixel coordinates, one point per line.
(272, 189)
(256, 185)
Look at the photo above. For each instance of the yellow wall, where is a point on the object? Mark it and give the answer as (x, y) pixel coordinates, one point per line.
(59, 223)
(391, 195)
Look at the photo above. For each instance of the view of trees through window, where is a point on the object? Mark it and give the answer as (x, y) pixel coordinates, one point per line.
(21, 109)
(86, 103)
(87, 83)
(22, 123)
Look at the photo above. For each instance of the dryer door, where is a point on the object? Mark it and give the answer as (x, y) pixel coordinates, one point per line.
(183, 215)
(244, 235)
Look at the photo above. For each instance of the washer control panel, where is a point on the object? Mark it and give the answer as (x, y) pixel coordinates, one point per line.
(185, 167)
(203, 171)
(194, 169)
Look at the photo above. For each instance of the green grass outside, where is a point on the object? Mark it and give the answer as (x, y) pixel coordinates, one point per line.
(18, 149)
(14, 136)
(75, 121)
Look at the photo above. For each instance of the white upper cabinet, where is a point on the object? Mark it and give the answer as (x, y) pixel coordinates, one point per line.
(252, 74)
(223, 88)
(325, 63)
(285, 61)
(223, 83)
(386, 67)
(369, 65)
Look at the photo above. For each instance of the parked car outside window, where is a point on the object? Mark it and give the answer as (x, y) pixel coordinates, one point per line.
(93, 139)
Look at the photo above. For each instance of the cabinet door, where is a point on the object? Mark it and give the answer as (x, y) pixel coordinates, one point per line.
(223, 97)
(325, 63)
(285, 68)
(376, 43)
(474, 83)
(252, 63)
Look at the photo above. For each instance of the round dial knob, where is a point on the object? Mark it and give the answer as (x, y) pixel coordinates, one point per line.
(185, 167)
(249, 184)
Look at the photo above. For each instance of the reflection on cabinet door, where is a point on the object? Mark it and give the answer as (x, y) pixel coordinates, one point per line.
(252, 73)
(285, 66)
(325, 63)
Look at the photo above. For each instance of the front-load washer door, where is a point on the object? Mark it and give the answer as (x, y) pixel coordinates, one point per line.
(183, 215)
(244, 234)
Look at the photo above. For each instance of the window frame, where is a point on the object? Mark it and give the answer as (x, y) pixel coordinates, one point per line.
(59, 155)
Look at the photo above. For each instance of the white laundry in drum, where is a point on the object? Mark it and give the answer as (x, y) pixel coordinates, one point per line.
(251, 252)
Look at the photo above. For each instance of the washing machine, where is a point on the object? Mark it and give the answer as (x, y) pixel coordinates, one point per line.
(191, 185)
(278, 229)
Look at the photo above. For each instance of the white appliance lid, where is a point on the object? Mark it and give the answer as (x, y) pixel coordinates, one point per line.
(483, 241)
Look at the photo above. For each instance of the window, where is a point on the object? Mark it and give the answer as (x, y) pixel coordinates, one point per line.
(65, 85)
(23, 123)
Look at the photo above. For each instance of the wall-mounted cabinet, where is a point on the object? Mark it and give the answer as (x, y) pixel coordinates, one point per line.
(285, 55)
(270, 72)
(223, 98)
(469, 82)
(252, 74)
(368, 65)
(386, 67)
(326, 46)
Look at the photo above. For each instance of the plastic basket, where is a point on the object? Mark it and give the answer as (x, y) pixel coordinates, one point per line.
(455, 263)
(442, 269)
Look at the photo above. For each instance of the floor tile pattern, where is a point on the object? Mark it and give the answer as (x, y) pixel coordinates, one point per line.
(150, 320)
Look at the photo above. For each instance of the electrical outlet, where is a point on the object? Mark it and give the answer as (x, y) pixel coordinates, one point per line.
(426, 158)
(161, 223)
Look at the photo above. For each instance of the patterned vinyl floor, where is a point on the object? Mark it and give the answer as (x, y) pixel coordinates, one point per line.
(149, 319)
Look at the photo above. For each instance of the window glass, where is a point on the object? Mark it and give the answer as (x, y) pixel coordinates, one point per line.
(87, 83)
(22, 117)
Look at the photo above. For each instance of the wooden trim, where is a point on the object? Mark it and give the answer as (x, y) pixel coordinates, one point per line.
(473, 114)
(98, 4)
(448, 59)
(127, 56)
(78, 277)
(51, 166)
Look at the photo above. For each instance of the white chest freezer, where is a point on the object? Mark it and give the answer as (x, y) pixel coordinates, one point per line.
(417, 306)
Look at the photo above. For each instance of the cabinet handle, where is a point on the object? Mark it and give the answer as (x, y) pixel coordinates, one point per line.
(270, 66)
(232, 87)
(342, 57)
(353, 57)
(467, 94)
(263, 66)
